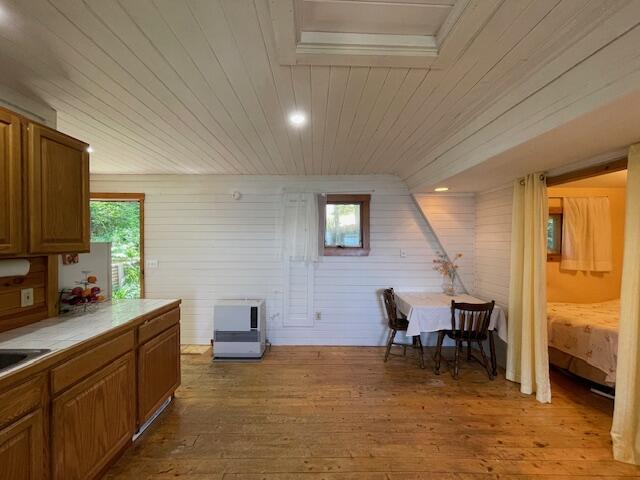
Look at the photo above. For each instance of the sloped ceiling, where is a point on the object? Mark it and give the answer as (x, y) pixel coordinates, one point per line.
(196, 86)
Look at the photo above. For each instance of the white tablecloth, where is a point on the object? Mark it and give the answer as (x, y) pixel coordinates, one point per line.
(431, 312)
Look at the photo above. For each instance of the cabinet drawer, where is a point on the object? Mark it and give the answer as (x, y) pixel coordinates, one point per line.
(21, 399)
(86, 363)
(156, 325)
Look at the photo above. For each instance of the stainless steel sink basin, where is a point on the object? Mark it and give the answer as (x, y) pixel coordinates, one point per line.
(9, 358)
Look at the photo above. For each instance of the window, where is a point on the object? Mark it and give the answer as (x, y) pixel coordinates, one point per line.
(119, 218)
(554, 234)
(344, 224)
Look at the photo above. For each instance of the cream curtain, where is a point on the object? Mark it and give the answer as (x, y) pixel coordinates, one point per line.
(625, 431)
(527, 355)
(586, 234)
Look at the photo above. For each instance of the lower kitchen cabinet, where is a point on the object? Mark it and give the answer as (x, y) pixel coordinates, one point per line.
(93, 421)
(21, 448)
(158, 371)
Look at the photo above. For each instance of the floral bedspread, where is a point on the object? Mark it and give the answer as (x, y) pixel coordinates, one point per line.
(588, 331)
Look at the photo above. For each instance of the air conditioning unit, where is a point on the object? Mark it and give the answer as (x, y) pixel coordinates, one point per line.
(239, 329)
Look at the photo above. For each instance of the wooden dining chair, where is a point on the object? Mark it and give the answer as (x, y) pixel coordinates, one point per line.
(470, 324)
(398, 323)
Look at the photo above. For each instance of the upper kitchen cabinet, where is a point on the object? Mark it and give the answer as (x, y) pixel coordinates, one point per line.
(11, 210)
(57, 191)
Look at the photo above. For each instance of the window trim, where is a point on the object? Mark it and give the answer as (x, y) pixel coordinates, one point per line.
(364, 202)
(556, 257)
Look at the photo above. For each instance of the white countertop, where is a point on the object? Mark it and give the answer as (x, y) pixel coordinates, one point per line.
(59, 333)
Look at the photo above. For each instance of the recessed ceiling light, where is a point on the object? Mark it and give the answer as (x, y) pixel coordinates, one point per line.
(441, 189)
(297, 119)
(89, 150)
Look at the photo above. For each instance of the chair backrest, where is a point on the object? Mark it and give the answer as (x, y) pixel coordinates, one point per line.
(391, 307)
(471, 320)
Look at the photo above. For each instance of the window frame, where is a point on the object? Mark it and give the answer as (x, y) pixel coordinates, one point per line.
(556, 256)
(347, 199)
(128, 197)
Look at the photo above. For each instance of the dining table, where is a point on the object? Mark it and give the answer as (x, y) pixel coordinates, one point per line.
(429, 312)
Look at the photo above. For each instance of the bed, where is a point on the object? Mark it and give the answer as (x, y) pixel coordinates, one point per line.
(583, 338)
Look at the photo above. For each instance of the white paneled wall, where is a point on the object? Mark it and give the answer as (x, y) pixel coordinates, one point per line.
(493, 244)
(452, 218)
(210, 246)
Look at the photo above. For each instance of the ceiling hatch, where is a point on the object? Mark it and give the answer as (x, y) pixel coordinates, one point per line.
(372, 33)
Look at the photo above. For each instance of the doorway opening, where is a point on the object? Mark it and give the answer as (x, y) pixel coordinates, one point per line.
(119, 218)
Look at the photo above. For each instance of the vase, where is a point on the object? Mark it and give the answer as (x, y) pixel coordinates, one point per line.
(448, 287)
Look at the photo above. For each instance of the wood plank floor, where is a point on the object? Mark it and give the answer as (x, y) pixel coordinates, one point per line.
(340, 413)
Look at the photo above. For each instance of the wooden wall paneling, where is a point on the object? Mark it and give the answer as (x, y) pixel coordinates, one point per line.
(210, 246)
(320, 77)
(358, 79)
(185, 26)
(242, 20)
(58, 191)
(11, 206)
(190, 85)
(93, 421)
(491, 133)
(407, 92)
(493, 245)
(488, 49)
(12, 314)
(338, 83)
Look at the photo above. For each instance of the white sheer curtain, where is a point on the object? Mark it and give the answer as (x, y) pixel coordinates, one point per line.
(625, 431)
(527, 355)
(586, 234)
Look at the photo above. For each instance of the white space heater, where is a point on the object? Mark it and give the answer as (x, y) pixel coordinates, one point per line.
(239, 329)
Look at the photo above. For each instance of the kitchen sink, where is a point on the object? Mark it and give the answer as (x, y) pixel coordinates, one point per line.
(11, 357)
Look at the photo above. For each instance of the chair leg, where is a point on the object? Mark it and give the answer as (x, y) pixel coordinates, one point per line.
(418, 341)
(456, 361)
(392, 337)
(485, 361)
(438, 356)
(492, 347)
(404, 350)
(468, 350)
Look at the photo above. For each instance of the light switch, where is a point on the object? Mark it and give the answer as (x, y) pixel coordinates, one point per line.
(152, 263)
(403, 253)
(26, 297)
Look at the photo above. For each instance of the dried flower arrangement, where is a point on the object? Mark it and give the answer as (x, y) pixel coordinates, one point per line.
(447, 268)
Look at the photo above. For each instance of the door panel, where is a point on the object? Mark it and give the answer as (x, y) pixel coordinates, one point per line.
(158, 371)
(93, 421)
(21, 449)
(58, 173)
(10, 185)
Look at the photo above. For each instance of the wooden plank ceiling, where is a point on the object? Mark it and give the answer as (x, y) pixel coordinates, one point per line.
(194, 86)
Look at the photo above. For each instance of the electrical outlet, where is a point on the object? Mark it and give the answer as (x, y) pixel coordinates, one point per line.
(403, 253)
(318, 315)
(26, 297)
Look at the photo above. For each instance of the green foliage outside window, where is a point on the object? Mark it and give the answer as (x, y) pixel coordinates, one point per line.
(119, 223)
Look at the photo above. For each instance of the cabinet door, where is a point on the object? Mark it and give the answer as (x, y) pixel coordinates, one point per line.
(11, 225)
(158, 371)
(93, 421)
(58, 192)
(21, 447)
